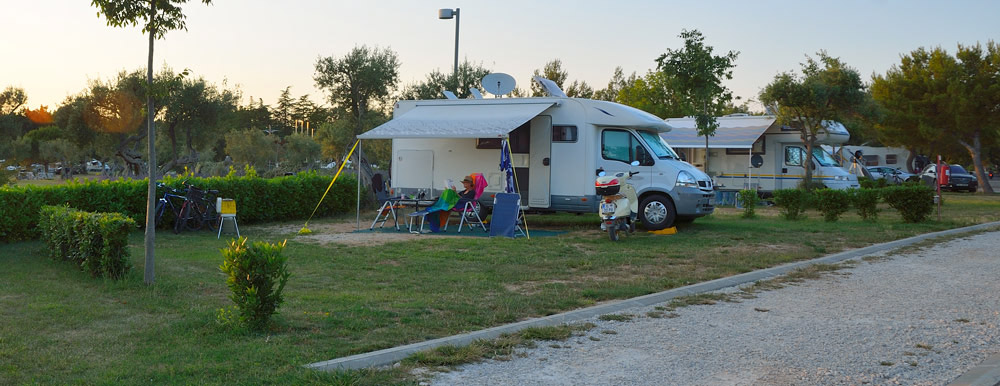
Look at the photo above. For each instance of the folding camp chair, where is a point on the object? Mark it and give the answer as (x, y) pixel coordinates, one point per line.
(443, 204)
(506, 215)
(470, 212)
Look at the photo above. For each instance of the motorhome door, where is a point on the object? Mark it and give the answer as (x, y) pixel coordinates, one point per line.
(791, 167)
(539, 162)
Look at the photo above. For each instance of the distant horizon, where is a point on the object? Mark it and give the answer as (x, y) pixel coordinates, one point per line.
(262, 48)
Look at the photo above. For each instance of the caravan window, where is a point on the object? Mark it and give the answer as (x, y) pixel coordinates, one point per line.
(562, 133)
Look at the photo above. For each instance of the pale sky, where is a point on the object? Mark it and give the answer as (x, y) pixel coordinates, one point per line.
(52, 47)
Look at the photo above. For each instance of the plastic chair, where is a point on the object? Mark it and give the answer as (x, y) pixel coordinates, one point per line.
(506, 215)
(470, 212)
(227, 211)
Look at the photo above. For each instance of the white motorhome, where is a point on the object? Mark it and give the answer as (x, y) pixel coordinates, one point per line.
(755, 152)
(558, 146)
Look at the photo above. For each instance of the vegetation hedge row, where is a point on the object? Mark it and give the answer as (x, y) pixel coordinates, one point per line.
(914, 202)
(97, 242)
(257, 199)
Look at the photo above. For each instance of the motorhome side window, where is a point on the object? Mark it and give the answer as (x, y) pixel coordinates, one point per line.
(794, 156)
(563, 133)
(619, 145)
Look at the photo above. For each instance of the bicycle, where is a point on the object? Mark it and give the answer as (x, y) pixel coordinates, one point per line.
(197, 210)
(170, 196)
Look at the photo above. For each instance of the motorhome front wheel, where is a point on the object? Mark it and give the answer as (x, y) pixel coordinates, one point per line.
(657, 212)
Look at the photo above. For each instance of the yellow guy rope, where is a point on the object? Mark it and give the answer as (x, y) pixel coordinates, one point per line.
(305, 228)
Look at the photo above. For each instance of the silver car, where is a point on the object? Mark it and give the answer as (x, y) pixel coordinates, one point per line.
(892, 175)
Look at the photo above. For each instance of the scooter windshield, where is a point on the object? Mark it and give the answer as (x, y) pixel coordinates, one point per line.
(657, 145)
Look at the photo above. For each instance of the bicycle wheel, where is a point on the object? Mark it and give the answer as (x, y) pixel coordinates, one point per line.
(195, 218)
(211, 218)
(181, 219)
(158, 218)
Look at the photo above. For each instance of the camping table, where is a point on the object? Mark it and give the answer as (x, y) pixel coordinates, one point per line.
(389, 209)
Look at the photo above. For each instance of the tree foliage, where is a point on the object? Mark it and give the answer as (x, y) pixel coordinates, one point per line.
(828, 90)
(553, 71)
(359, 82)
(696, 75)
(469, 76)
(943, 104)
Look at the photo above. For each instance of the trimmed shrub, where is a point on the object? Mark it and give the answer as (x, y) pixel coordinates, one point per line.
(913, 202)
(813, 186)
(256, 276)
(258, 200)
(748, 200)
(866, 203)
(793, 202)
(97, 242)
(832, 203)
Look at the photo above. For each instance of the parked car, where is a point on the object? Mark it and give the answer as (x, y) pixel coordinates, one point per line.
(890, 174)
(958, 179)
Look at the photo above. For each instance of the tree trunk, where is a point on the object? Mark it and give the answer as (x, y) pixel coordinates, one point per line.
(706, 155)
(975, 150)
(148, 275)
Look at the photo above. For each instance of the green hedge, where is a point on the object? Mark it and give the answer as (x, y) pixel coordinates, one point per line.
(866, 202)
(97, 242)
(257, 199)
(793, 202)
(913, 202)
(832, 203)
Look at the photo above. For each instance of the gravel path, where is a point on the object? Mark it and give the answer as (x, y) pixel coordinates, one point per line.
(917, 319)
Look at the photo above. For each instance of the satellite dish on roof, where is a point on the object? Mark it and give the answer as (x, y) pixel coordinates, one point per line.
(550, 87)
(499, 83)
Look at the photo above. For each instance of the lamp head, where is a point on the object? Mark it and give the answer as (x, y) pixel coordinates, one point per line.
(446, 13)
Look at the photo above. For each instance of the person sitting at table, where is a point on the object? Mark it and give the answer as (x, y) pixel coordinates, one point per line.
(468, 193)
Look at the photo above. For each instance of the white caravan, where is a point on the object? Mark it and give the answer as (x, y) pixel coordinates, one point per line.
(558, 146)
(755, 152)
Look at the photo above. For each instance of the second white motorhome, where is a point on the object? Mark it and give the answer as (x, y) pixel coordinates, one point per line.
(558, 146)
(755, 152)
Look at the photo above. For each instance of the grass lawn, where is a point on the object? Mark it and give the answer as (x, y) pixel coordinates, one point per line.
(58, 325)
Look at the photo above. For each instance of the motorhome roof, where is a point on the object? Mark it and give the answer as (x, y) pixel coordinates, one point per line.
(491, 118)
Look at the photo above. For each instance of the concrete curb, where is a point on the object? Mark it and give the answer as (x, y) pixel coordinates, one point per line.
(395, 354)
(986, 374)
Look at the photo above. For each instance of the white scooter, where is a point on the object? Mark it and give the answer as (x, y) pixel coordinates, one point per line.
(619, 204)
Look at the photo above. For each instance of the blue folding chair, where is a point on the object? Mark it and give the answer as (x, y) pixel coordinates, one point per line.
(506, 215)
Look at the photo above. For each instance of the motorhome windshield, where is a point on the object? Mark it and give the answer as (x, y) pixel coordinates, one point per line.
(823, 158)
(657, 145)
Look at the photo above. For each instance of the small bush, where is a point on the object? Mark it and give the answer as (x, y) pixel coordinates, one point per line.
(256, 276)
(866, 203)
(748, 200)
(913, 202)
(832, 203)
(869, 183)
(97, 242)
(792, 202)
(813, 186)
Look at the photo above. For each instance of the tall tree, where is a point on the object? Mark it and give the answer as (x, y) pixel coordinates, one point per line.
(360, 81)
(974, 93)
(157, 17)
(13, 123)
(697, 76)
(469, 76)
(829, 90)
(12, 100)
(615, 85)
(192, 109)
(283, 111)
(652, 93)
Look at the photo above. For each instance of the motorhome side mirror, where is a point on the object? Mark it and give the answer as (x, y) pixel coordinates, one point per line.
(599, 172)
(634, 163)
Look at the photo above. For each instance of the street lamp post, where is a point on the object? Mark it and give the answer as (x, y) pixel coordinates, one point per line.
(448, 13)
